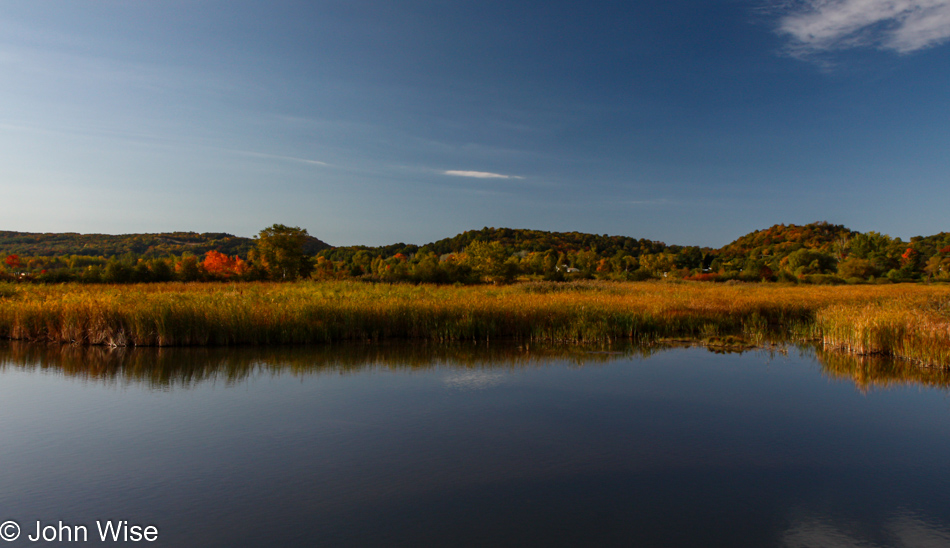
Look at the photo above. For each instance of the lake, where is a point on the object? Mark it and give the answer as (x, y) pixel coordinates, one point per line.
(474, 445)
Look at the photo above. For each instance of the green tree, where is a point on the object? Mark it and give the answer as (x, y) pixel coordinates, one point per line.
(489, 259)
(187, 269)
(854, 267)
(809, 261)
(280, 249)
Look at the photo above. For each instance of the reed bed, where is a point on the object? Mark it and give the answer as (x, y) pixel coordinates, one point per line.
(910, 320)
(907, 327)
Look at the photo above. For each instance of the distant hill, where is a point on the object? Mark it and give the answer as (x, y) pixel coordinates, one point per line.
(515, 240)
(781, 240)
(518, 239)
(50, 244)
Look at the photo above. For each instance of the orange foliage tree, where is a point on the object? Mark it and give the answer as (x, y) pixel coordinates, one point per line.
(220, 265)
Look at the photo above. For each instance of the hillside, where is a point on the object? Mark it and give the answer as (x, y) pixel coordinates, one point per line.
(517, 239)
(781, 240)
(514, 240)
(50, 244)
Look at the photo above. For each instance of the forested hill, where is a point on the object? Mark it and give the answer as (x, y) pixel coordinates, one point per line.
(31, 244)
(517, 239)
(781, 240)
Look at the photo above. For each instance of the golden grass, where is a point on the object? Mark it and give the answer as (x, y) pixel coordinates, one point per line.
(910, 321)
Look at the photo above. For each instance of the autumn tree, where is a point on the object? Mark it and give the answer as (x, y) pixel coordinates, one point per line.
(220, 265)
(280, 250)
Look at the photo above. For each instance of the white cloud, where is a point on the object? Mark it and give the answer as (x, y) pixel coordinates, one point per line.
(480, 174)
(817, 26)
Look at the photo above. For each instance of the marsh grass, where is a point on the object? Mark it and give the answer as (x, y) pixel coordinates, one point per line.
(909, 321)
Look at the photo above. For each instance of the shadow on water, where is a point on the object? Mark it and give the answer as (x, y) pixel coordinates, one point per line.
(174, 367)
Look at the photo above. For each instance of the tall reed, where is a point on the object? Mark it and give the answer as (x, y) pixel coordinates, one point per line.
(901, 320)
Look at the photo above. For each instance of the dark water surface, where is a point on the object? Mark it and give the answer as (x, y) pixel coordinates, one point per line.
(475, 446)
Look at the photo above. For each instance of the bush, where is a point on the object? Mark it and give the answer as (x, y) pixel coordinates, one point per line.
(639, 275)
(787, 277)
(824, 279)
(707, 277)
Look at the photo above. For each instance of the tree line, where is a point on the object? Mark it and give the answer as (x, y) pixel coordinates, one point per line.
(814, 253)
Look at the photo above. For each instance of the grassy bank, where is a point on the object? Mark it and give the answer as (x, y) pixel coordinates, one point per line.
(911, 321)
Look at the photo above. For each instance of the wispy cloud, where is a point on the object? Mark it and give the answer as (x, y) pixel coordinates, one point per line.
(278, 157)
(658, 201)
(904, 26)
(480, 174)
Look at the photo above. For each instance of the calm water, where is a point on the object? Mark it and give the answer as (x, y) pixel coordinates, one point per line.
(475, 446)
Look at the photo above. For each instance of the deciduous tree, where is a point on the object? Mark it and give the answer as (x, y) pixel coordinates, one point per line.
(280, 249)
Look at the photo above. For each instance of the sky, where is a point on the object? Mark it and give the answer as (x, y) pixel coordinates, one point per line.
(691, 122)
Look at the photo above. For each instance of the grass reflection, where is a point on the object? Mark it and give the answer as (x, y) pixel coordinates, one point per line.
(175, 367)
(184, 367)
(877, 372)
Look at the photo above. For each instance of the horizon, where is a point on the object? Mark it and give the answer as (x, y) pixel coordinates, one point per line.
(368, 124)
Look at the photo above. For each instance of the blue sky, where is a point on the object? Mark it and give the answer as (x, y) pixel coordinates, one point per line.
(690, 122)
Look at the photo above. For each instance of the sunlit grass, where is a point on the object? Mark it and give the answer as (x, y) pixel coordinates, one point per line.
(909, 321)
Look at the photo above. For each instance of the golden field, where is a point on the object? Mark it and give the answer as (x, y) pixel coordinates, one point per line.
(904, 320)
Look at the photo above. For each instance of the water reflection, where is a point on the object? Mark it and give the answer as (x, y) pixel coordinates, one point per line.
(163, 368)
(474, 444)
(184, 367)
(877, 372)
(903, 529)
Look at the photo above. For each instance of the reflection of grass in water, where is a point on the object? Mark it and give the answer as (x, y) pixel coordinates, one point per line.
(904, 320)
(870, 372)
(161, 367)
(184, 367)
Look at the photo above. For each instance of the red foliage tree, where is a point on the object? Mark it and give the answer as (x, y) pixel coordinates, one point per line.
(13, 261)
(219, 264)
